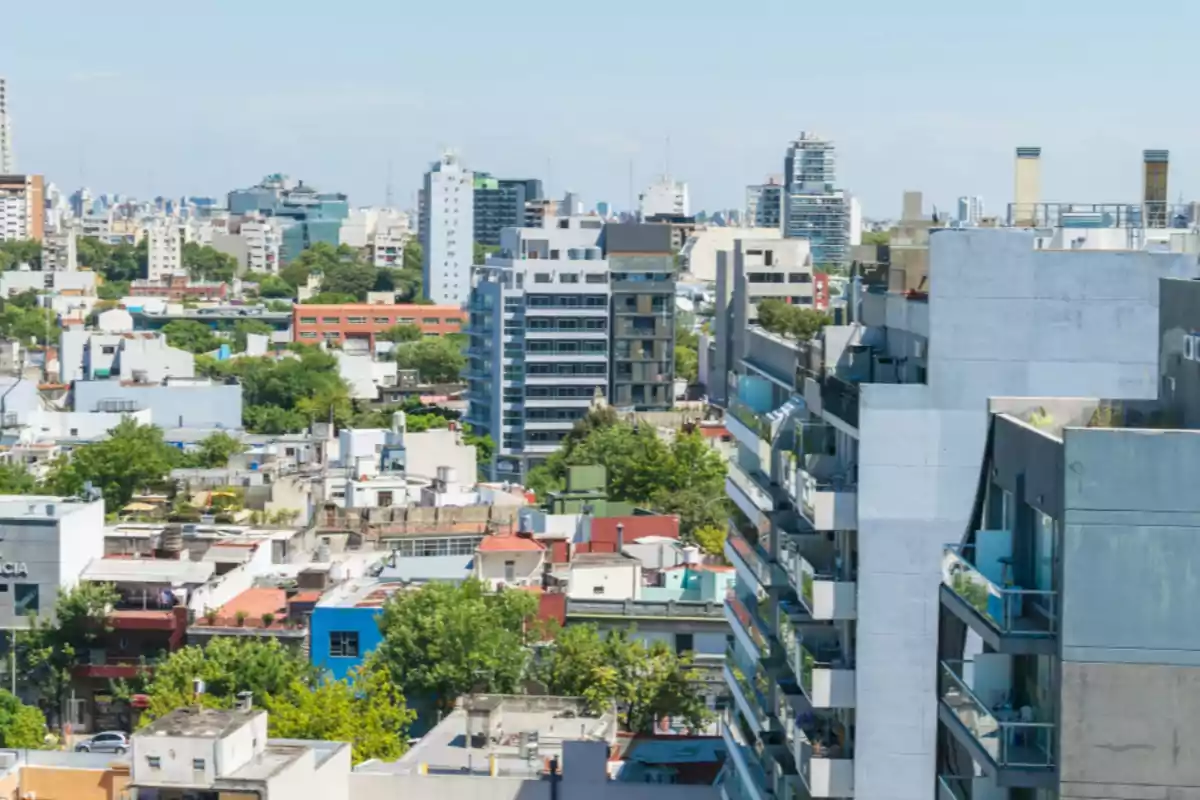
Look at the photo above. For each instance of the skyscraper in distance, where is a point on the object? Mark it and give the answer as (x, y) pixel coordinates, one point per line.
(7, 164)
(448, 225)
(813, 208)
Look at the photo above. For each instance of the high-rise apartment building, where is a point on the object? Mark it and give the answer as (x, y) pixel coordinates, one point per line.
(303, 215)
(7, 163)
(448, 224)
(642, 266)
(664, 197)
(1154, 187)
(22, 207)
(970, 210)
(813, 208)
(499, 204)
(164, 248)
(851, 479)
(539, 339)
(764, 204)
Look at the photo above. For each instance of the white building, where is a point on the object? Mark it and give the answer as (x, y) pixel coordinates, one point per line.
(387, 246)
(970, 210)
(664, 196)
(206, 752)
(60, 251)
(21, 213)
(164, 248)
(254, 242)
(510, 560)
(699, 252)
(48, 542)
(448, 222)
(7, 164)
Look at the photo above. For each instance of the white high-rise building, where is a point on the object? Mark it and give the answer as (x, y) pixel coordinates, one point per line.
(813, 207)
(7, 164)
(164, 248)
(448, 227)
(970, 210)
(664, 196)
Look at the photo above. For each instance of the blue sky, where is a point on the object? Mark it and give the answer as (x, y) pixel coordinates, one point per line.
(151, 97)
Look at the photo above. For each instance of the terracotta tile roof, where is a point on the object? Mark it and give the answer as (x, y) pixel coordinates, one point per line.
(604, 529)
(255, 603)
(505, 543)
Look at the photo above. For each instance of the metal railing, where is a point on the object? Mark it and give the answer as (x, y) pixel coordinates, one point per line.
(646, 608)
(840, 398)
(953, 787)
(750, 418)
(756, 561)
(1011, 609)
(754, 687)
(1007, 735)
(750, 622)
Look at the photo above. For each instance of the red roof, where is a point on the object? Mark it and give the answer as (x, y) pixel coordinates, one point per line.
(604, 529)
(506, 543)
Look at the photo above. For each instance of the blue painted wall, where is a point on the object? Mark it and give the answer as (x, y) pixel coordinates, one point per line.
(326, 620)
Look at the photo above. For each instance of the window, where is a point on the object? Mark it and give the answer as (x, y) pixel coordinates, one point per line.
(510, 571)
(331, 320)
(568, 277)
(25, 599)
(154, 762)
(431, 321)
(108, 349)
(542, 277)
(357, 320)
(684, 643)
(382, 321)
(597, 590)
(198, 764)
(308, 320)
(769, 257)
(308, 335)
(406, 321)
(596, 277)
(384, 499)
(343, 644)
(799, 277)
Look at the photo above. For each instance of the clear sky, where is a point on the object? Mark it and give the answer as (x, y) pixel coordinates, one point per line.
(199, 97)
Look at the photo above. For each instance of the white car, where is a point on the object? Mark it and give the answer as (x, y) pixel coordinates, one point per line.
(107, 742)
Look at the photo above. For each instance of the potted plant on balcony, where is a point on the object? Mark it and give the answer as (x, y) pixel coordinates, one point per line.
(210, 616)
(240, 618)
(268, 619)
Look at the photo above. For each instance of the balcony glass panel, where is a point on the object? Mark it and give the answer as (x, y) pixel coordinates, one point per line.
(749, 558)
(753, 685)
(747, 614)
(1010, 609)
(1011, 737)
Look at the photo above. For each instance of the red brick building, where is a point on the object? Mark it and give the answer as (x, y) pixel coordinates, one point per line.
(337, 324)
(179, 287)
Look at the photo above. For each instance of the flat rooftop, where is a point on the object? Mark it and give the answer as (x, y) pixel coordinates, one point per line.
(31, 506)
(207, 723)
(148, 570)
(361, 593)
(554, 720)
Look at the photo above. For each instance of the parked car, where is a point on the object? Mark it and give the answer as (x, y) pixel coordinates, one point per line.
(107, 742)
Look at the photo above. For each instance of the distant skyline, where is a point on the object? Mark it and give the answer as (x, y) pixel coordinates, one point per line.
(147, 98)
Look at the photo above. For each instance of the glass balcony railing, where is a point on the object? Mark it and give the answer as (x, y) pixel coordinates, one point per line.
(744, 758)
(752, 419)
(801, 574)
(749, 620)
(1012, 610)
(951, 787)
(1011, 737)
(754, 687)
(750, 559)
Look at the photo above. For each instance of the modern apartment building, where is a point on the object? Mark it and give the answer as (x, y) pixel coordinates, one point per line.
(448, 225)
(22, 198)
(764, 204)
(499, 204)
(539, 339)
(302, 215)
(664, 196)
(642, 266)
(60, 251)
(813, 208)
(8, 164)
(164, 248)
(851, 480)
(752, 271)
(255, 241)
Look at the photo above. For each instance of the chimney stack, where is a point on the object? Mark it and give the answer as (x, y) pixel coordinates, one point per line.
(620, 537)
(1154, 188)
(1028, 191)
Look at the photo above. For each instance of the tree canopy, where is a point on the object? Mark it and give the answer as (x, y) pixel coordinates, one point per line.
(402, 333)
(121, 262)
(685, 477)
(443, 640)
(797, 322)
(187, 334)
(646, 683)
(21, 726)
(214, 451)
(288, 394)
(437, 359)
(244, 327)
(14, 253)
(204, 263)
(131, 459)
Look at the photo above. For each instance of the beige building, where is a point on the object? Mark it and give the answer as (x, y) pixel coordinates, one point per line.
(22, 200)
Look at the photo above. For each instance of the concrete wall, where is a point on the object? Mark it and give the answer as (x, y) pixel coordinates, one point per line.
(325, 620)
(607, 581)
(51, 783)
(1004, 320)
(188, 406)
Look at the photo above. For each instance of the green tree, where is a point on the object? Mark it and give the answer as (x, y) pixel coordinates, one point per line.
(876, 237)
(215, 450)
(227, 666)
(407, 280)
(20, 251)
(480, 252)
(711, 539)
(244, 327)
(195, 337)
(485, 446)
(349, 278)
(369, 712)
(645, 683)
(113, 290)
(442, 640)
(687, 363)
(402, 333)
(275, 286)
(133, 458)
(50, 649)
(15, 479)
(797, 322)
(21, 727)
(122, 262)
(204, 263)
(330, 299)
(436, 359)
(286, 395)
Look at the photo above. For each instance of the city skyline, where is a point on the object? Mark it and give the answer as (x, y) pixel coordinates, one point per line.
(921, 100)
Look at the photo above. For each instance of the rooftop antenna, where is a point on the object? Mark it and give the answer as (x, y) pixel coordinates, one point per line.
(388, 196)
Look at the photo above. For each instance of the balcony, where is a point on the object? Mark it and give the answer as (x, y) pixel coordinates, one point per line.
(1012, 745)
(754, 501)
(839, 398)
(753, 564)
(1011, 619)
(748, 772)
(823, 594)
(101, 665)
(750, 688)
(749, 628)
(824, 674)
(824, 757)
